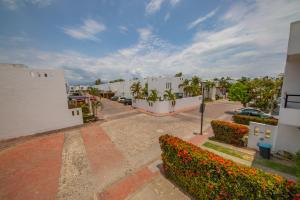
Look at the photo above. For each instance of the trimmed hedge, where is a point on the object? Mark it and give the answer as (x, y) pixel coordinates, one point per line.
(205, 175)
(228, 132)
(244, 119)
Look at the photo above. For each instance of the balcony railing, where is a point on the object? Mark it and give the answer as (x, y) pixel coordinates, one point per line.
(292, 101)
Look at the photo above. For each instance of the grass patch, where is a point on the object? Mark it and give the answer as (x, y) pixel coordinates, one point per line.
(228, 151)
(277, 166)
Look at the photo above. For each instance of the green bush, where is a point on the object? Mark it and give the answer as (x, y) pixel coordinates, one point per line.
(205, 175)
(85, 109)
(244, 119)
(298, 165)
(228, 132)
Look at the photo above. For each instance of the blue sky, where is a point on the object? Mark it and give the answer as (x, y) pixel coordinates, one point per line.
(110, 39)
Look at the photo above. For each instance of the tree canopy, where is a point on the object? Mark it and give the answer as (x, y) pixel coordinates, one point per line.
(98, 81)
(179, 74)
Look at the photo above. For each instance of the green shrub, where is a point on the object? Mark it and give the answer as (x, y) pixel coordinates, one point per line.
(244, 119)
(298, 165)
(205, 175)
(85, 109)
(228, 132)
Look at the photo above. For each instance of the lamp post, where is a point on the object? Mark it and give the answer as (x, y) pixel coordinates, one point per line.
(202, 108)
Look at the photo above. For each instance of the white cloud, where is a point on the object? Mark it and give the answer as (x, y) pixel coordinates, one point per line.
(123, 29)
(254, 45)
(87, 31)
(154, 5)
(15, 4)
(193, 24)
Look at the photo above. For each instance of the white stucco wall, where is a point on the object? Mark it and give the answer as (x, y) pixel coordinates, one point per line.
(160, 83)
(161, 107)
(294, 40)
(288, 138)
(31, 104)
(289, 118)
(254, 138)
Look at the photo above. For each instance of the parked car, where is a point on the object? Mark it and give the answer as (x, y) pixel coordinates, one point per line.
(253, 112)
(121, 99)
(115, 98)
(128, 101)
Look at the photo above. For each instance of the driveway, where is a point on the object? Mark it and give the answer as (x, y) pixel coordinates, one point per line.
(115, 158)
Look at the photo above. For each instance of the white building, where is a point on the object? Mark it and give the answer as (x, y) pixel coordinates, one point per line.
(288, 137)
(33, 101)
(78, 88)
(160, 84)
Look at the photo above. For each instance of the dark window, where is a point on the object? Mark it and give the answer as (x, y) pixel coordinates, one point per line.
(46, 75)
(77, 112)
(73, 113)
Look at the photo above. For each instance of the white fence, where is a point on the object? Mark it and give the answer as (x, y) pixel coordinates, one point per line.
(166, 106)
(262, 132)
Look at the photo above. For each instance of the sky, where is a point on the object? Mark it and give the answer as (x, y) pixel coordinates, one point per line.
(111, 39)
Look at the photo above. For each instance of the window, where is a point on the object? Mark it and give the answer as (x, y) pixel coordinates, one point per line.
(168, 85)
(46, 75)
(73, 112)
(77, 112)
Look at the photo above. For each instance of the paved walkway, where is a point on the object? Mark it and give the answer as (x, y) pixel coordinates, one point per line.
(118, 159)
(31, 170)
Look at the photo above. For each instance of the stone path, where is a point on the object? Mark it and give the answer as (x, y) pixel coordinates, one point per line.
(76, 181)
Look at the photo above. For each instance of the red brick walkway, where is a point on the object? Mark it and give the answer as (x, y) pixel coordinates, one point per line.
(101, 152)
(31, 170)
(128, 185)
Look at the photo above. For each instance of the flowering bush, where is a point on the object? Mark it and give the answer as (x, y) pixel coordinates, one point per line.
(228, 132)
(205, 175)
(244, 119)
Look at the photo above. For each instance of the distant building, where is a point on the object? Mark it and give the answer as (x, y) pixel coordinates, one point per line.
(160, 84)
(33, 101)
(77, 88)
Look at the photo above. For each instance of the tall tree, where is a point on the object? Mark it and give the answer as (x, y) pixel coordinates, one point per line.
(224, 84)
(240, 92)
(178, 74)
(195, 86)
(208, 85)
(170, 96)
(186, 87)
(153, 96)
(136, 89)
(94, 91)
(145, 90)
(98, 81)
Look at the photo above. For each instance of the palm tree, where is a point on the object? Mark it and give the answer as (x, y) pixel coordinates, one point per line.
(95, 106)
(145, 90)
(186, 87)
(208, 85)
(153, 96)
(224, 84)
(178, 74)
(195, 86)
(170, 96)
(94, 91)
(136, 89)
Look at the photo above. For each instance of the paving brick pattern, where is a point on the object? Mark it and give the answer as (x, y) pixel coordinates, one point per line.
(31, 170)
